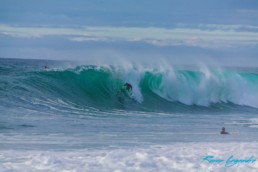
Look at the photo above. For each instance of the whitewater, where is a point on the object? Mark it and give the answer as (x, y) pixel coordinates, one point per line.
(79, 117)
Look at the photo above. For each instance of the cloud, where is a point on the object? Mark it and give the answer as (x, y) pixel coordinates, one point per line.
(213, 36)
(88, 39)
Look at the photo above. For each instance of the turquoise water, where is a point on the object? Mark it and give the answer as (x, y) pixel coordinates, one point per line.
(85, 106)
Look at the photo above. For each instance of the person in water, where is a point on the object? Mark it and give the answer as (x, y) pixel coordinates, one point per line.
(128, 86)
(223, 131)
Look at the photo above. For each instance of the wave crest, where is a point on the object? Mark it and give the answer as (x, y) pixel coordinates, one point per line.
(165, 88)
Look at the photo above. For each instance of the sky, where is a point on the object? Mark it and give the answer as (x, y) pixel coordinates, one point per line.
(223, 32)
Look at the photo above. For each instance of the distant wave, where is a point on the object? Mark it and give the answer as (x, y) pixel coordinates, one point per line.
(102, 87)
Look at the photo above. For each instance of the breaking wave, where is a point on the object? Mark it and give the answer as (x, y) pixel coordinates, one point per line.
(102, 87)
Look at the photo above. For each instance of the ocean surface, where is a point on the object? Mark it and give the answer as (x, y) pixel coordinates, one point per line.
(79, 117)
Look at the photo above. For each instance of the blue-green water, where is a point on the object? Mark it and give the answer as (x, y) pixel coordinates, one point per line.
(85, 106)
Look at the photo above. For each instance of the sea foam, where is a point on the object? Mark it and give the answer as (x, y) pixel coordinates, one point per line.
(178, 157)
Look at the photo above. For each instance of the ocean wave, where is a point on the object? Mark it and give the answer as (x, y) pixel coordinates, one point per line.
(102, 86)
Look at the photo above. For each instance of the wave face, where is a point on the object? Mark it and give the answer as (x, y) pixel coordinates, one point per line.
(153, 89)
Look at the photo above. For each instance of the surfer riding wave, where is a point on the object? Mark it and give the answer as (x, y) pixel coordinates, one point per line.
(125, 90)
(128, 87)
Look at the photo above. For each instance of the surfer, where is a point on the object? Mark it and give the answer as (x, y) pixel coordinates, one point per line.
(124, 91)
(46, 67)
(223, 131)
(128, 86)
